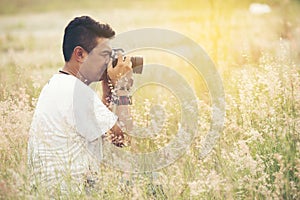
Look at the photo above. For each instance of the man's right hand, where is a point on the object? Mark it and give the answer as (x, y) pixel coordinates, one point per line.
(121, 74)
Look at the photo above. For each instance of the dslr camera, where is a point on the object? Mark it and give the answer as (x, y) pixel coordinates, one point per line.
(137, 61)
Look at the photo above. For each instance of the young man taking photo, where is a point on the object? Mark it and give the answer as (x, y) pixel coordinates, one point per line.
(65, 142)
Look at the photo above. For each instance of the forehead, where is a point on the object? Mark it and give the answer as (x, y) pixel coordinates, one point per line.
(103, 43)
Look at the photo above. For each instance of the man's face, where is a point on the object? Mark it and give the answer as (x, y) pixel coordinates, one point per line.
(96, 61)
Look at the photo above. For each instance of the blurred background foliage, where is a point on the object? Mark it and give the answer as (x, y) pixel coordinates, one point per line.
(25, 6)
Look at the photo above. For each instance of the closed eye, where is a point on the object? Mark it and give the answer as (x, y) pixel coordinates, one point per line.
(106, 53)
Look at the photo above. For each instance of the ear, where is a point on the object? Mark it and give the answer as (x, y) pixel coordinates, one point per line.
(80, 54)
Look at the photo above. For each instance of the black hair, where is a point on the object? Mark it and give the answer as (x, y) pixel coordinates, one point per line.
(83, 31)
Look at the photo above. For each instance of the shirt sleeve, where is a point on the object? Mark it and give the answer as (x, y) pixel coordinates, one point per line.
(92, 117)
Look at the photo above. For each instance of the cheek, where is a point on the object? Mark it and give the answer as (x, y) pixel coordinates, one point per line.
(96, 63)
(100, 67)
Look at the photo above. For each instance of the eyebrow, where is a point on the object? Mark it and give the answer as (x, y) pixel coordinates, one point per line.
(106, 51)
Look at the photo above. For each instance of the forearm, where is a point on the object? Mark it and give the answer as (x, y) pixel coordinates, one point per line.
(113, 102)
(121, 102)
(124, 124)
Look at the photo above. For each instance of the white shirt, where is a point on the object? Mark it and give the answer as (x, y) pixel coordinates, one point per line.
(65, 134)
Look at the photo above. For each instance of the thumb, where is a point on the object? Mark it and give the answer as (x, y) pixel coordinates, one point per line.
(120, 57)
(109, 65)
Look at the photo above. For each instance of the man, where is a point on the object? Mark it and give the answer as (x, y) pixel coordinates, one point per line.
(65, 143)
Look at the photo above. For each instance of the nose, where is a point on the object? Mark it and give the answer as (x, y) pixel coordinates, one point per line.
(107, 60)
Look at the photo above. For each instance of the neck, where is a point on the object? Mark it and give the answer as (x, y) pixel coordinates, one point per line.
(74, 70)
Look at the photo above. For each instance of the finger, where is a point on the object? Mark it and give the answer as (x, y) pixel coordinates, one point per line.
(129, 76)
(120, 57)
(127, 58)
(110, 71)
(109, 63)
(109, 66)
(128, 61)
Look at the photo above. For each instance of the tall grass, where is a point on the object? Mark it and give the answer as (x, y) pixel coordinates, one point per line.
(258, 153)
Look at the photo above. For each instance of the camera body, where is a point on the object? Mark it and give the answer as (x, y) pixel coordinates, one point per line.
(137, 61)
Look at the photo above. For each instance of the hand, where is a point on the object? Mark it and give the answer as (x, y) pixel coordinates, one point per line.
(118, 137)
(121, 74)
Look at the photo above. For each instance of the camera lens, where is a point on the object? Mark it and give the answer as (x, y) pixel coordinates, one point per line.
(137, 64)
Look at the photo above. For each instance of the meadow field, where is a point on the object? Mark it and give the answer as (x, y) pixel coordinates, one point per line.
(257, 55)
